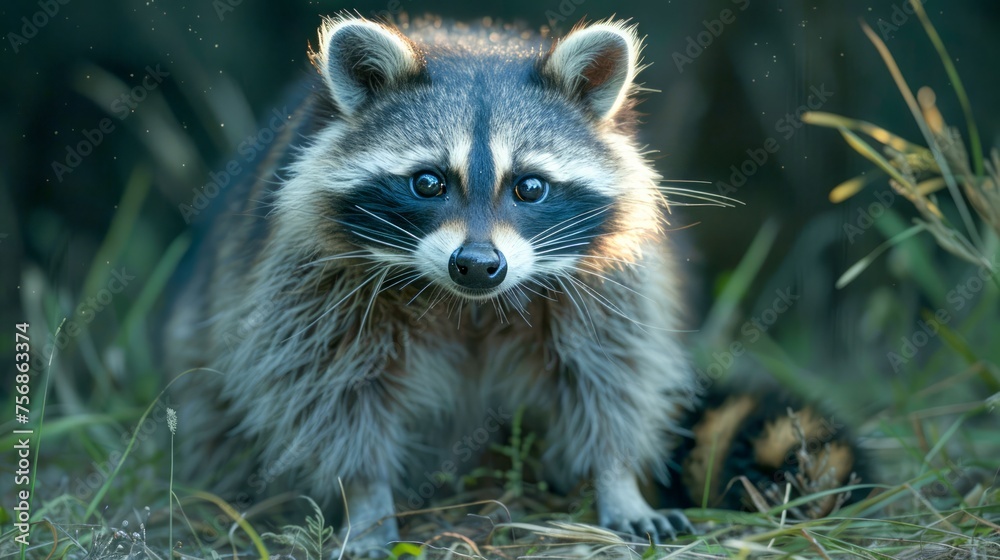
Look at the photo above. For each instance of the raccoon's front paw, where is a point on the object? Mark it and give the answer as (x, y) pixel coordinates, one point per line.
(645, 522)
(621, 507)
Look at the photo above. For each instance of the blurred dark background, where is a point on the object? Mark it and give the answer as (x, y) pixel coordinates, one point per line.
(226, 64)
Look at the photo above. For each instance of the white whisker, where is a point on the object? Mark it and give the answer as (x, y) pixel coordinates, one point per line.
(437, 296)
(371, 302)
(380, 218)
(562, 247)
(539, 294)
(583, 310)
(339, 256)
(518, 307)
(429, 284)
(609, 279)
(356, 229)
(403, 280)
(712, 199)
(332, 307)
(379, 241)
(541, 236)
(571, 236)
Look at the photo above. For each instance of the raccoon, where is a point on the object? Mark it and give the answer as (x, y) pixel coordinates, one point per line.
(455, 221)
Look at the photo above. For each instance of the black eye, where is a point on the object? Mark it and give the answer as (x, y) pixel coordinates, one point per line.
(531, 189)
(427, 184)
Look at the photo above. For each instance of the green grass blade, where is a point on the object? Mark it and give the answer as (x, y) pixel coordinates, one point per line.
(64, 425)
(120, 231)
(739, 282)
(952, 339)
(944, 439)
(975, 145)
(238, 519)
(860, 266)
(920, 260)
(152, 289)
(131, 334)
(911, 102)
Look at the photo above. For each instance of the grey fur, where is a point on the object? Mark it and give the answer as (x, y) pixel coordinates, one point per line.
(335, 377)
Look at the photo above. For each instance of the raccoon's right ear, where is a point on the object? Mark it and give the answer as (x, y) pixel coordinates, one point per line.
(596, 65)
(358, 58)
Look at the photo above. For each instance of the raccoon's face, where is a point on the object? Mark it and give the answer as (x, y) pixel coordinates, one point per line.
(480, 169)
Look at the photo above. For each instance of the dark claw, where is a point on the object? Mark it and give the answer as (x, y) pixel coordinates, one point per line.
(656, 526)
(680, 521)
(620, 526)
(664, 526)
(645, 527)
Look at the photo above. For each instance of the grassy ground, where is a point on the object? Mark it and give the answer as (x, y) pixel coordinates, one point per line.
(930, 428)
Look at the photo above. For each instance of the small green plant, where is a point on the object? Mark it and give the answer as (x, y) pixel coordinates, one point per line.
(316, 539)
(172, 426)
(108, 543)
(518, 450)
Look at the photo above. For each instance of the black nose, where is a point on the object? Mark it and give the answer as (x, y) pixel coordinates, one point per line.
(477, 266)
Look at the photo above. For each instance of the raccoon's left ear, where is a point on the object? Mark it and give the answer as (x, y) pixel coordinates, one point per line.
(358, 58)
(596, 65)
